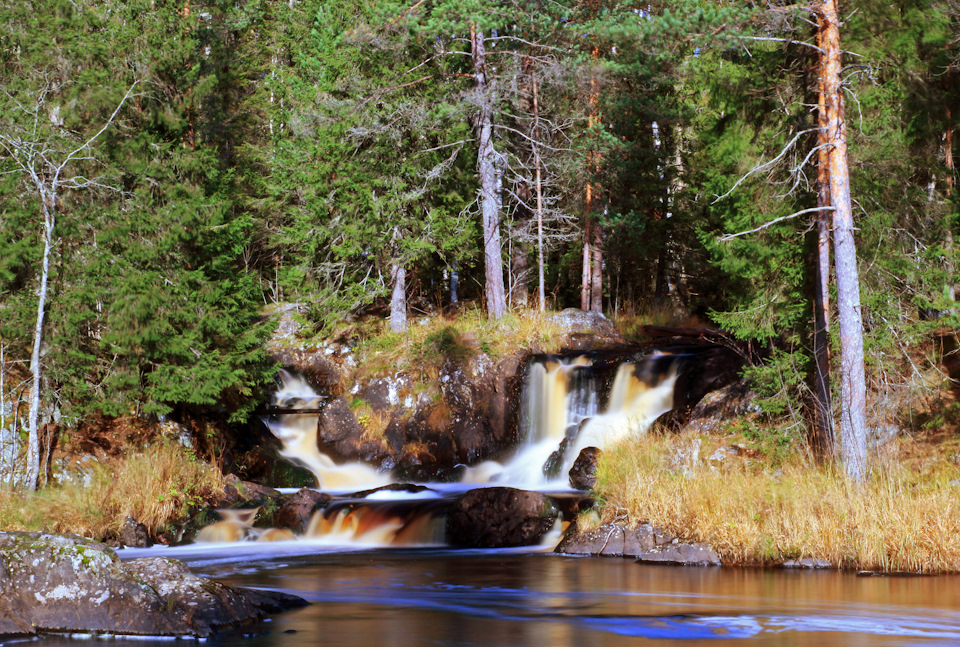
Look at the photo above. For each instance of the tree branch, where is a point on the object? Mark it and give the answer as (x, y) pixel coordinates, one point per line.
(727, 237)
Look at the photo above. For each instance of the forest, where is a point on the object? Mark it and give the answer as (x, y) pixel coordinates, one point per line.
(171, 169)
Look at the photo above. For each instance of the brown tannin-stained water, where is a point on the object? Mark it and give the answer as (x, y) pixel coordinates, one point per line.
(407, 598)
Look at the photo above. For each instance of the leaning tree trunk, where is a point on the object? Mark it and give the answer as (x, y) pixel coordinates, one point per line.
(33, 416)
(487, 170)
(853, 425)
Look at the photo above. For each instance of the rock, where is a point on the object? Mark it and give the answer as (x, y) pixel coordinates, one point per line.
(807, 562)
(681, 554)
(297, 509)
(245, 492)
(646, 543)
(609, 540)
(69, 584)
(583, 473)
(134, 534)
(586, 330)
(500, 517)
(319, 370)
(719, 407)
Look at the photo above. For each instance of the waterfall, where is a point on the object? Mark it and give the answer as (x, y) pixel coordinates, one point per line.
(297, 433)
(560, 416)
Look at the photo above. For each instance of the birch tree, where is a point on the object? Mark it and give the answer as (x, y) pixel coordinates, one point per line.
(48, 160)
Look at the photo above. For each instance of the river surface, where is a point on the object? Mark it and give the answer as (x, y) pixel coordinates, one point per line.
(417, 597)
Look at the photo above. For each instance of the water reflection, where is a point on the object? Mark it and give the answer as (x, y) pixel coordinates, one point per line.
(511, 599)
(415, 598)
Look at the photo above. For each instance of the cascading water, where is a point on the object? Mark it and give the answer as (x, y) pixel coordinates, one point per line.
(297, 432)
(561, 412)
(560, 416)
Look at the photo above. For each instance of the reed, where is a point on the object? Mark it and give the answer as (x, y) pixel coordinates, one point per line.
(156, 486)
(901, 519)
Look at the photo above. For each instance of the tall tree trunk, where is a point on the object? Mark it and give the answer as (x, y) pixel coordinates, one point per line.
(398, 300)
(587, 273)
(824, 437)
(538, 188)
(596, 271)
(33, 416)
(853, 425)
(590, 293)
(487, 170)
(948, 244)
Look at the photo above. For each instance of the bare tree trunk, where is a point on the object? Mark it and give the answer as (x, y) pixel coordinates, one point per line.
(596, 280)
(591, 234)
(951, 291)
(398, 300)
(33, 417)
(853, 426)
(538, 187)
(487, 170)
(587, 273)
(824, 438)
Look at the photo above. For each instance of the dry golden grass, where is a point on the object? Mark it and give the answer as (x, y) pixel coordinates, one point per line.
(155, 486)
(902, 519)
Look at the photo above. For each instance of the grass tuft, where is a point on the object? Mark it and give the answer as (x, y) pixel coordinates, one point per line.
(752, 513)
(161, 484)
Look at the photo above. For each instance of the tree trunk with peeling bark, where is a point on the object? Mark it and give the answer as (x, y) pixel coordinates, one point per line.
(853, 426)
(486, 169)
(824, 437)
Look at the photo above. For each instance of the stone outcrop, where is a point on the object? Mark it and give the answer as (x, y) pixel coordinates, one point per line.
(499, 518)
(644, 543)
(68, 584)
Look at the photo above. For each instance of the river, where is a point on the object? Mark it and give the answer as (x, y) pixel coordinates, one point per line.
(416, 597)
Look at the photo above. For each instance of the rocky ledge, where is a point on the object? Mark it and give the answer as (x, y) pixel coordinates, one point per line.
(68, 584)
(645, 543)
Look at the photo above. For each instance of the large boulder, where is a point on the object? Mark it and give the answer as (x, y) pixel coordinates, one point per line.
(500, 517)
(586, 330)
(69, 584)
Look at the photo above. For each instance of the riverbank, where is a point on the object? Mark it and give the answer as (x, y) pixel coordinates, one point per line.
(758, 512)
